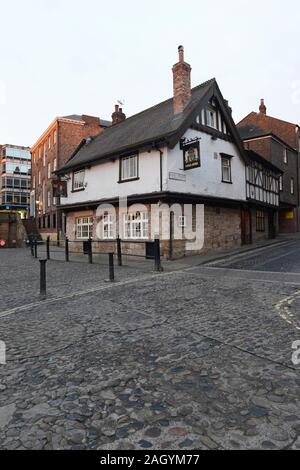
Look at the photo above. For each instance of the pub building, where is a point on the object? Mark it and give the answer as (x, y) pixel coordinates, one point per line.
(185, 150)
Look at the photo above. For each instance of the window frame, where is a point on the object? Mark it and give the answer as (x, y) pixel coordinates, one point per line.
(87, 222)
(78, 187)
(228, 159)
(130, 224)
(260, 221)
(292, 186)
(108, 227)
(122, 159)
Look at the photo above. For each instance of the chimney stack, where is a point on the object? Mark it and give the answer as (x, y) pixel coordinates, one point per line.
(181, 83)
(263, 108)
(118, 115)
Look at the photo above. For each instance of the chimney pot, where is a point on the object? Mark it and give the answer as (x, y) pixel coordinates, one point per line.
(262, 108)
(118, 115)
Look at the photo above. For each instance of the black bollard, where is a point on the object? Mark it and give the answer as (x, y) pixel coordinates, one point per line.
(111, 267)
(43, 278)
(35, 248)
(67, 250)
(90, 251)
(119, 251)
(157, 262)
(48, 248)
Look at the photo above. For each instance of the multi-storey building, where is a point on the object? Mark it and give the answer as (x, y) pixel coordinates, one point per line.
(15, 178)
(182, 158)
(50, 153)
(278, 142)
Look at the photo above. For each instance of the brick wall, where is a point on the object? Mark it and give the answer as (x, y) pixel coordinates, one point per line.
(222, 232)
(69, 134)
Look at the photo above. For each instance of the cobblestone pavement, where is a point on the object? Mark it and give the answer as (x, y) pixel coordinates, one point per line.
(194, 359)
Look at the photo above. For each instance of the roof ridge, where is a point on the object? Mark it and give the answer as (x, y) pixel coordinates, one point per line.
(277, 119)
(212, 80)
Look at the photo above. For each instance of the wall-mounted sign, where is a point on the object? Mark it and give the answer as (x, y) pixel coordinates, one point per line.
(289, 215)
(177, 176)
(191, 153)
(59, 188)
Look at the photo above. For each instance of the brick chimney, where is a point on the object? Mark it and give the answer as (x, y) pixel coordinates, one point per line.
(118, 115)
(262, 107)
(181, 83)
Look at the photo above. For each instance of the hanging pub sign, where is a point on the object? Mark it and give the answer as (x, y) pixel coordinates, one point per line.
(59, 188)
(191, 153)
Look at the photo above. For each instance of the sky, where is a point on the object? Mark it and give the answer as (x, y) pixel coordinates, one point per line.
(61, 57)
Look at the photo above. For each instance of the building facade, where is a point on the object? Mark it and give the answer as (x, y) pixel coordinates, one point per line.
(257, 133)
(50, 153)
(15, 179)
(181, 167)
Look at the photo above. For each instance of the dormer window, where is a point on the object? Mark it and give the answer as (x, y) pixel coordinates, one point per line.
(78, 180)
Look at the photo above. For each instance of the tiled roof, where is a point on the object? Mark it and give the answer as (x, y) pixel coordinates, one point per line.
(287, 131)
(150, 126)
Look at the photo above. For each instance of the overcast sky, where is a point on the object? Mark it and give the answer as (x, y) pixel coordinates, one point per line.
(60, 57)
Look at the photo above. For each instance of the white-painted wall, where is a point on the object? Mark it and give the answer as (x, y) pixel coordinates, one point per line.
(207, 180)
(102, 180)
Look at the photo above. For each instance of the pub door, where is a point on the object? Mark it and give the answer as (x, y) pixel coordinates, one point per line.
(246, 227)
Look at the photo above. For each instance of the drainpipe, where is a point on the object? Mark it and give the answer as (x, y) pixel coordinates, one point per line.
(161, 153)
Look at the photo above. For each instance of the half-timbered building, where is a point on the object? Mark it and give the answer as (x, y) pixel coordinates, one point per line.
(182, 153)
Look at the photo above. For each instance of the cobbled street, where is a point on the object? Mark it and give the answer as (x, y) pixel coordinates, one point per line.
(198, 358)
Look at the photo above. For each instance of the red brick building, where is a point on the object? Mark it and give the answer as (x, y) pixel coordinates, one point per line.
(50, 153)
(278, 142)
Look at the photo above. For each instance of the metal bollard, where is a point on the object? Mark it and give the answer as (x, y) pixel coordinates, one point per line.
(35, 248)
(67, 250)
(111, 267)
(48, 248)
(157, 262)
(43, 278)
(90, 251)
(119, 251)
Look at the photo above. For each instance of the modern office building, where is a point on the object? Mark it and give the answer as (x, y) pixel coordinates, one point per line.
(15, 179)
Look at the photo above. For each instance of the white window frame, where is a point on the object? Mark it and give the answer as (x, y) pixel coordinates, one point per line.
(136, 226)
(84, 228)
(281, 183)
(129, 168)
(285, 156)
(49, 170)
(78, 180)
(108, 227)
(211, 118)
(225, 168)
(182, 221)
(54, 164)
